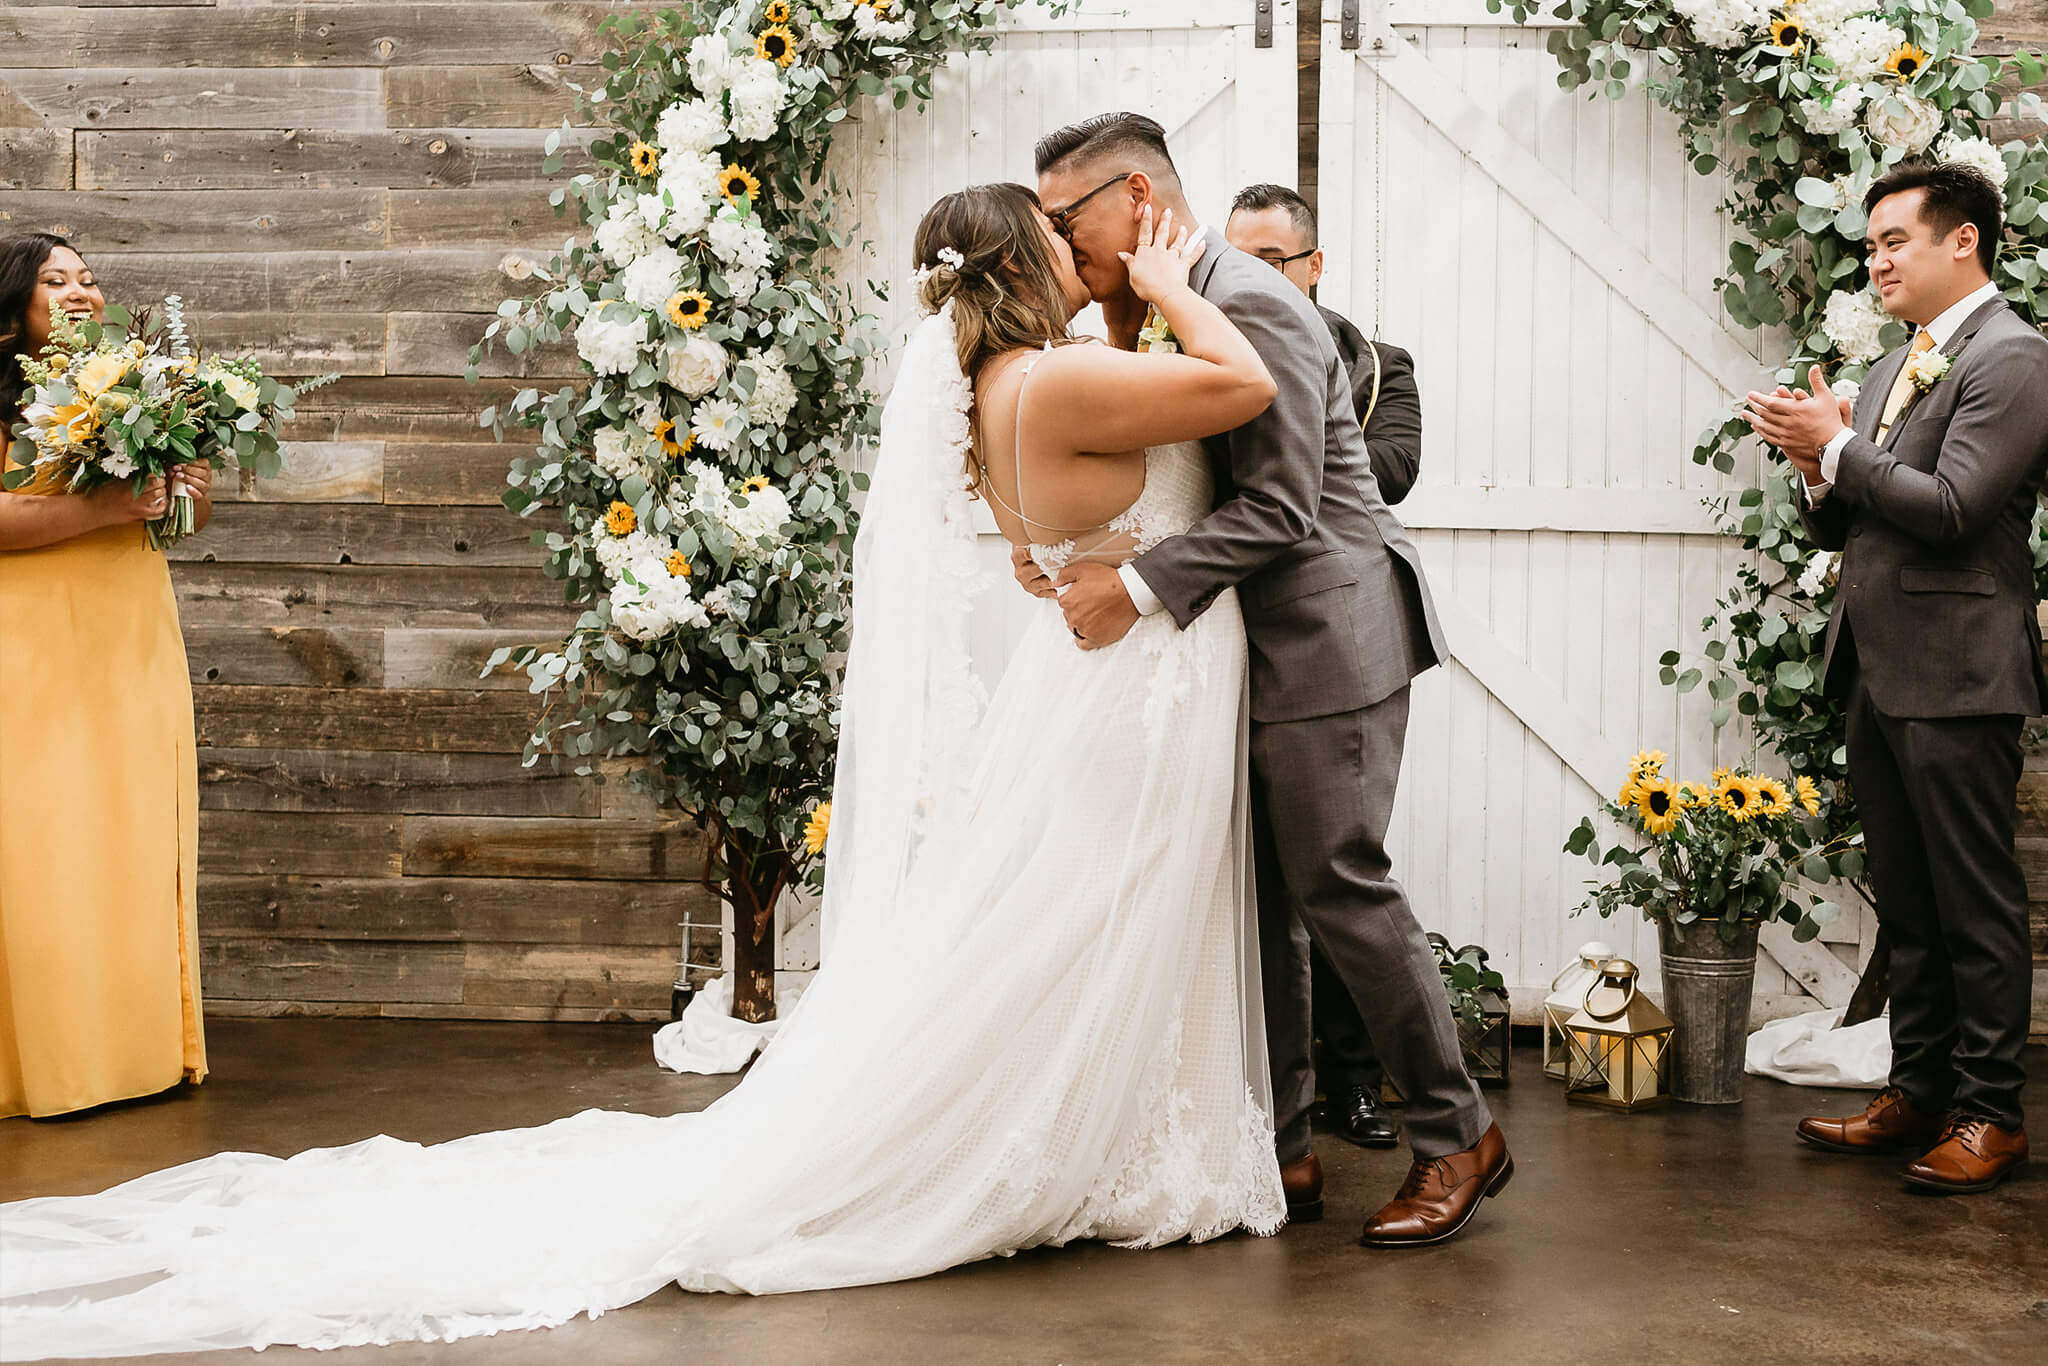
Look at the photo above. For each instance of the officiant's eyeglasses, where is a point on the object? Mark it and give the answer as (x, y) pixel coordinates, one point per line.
(1283, 262)
(1062, 218)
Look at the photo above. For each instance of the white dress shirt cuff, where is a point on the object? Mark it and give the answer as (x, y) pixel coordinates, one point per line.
(1142, 597)
(1830, 463)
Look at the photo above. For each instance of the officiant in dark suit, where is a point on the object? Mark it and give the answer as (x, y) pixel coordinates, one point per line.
(1928, 485)
(1275, 224)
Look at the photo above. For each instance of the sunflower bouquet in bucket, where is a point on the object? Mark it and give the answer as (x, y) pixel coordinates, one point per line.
(1731, 849)
(128, 397)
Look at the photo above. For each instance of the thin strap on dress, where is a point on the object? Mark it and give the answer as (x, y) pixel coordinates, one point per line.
(1017, 437)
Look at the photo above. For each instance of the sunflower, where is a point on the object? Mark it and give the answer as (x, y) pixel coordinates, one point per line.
(1648, 764)
(776, 12)
(1658, 805)
(1776, 800)
(619, 519)
(1739, 797)
(817, 827)
(1906, 61)
(1720, 776)
(776, 44)
(1789, 34)
(665, 433)
(645, 156)
(734, 182)
(1691, 795)
(690, 309)
(1807, 795)
(679, 564)
(878, 6)
(755, 485)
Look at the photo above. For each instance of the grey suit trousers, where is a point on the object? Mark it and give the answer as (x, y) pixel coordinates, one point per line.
(1322, 797)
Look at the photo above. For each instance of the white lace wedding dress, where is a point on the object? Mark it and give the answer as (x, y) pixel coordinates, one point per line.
(1040, 1037)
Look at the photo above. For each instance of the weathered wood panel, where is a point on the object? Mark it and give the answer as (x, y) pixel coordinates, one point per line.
(581, 911)
(289, 656)
(346, 533)
(528, 95)
(331, 970)
(35, 159)
(399, 781)
(441, 846)
(519, 215)
(439, 344)
(451, 659)
(302, 844)
(448, 472)
(322, 283)
(115, 97)
(434, 720)
(201, 220)
(322, 472)
(294, 159)
(367, 595)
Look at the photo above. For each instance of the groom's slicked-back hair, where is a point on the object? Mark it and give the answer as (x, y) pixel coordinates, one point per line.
(1129, 138)
(1259, 198)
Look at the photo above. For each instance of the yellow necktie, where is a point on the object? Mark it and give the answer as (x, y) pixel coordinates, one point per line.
(1902, 388)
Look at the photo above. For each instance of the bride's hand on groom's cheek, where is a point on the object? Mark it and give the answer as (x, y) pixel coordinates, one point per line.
(1099, 610)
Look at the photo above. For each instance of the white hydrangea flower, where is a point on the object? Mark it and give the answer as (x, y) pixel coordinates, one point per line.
(741, 243)
(720, 602)
(1858, 46)
(836, 11)
(610, 338)
(652, 609)
(683, 196)
(1848, 389)
(690, 128)
(624, 234)
(717, 425)
(712, 61)
(622, 452)
(1823, 17)
(696, 366)
(1979, 152)
(1726, 23)
(1838, 113)
(867, 23)
(1852, 320)
(757, 94)
(616, 553)
(649, 281)
(1903, 120)
(774, 391)
(744, 284)
(761, 518)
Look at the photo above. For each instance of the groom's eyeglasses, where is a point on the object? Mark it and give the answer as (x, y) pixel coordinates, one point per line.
(1062, 219)
(1283, 262)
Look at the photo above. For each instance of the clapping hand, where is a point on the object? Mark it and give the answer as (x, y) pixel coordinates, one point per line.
(1800, 423)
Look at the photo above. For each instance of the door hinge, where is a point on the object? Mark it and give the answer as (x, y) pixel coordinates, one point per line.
(1262, 23)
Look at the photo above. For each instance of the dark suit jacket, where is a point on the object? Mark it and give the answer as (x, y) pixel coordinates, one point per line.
(1393, 433)
(1937, 580)
(1336, 612)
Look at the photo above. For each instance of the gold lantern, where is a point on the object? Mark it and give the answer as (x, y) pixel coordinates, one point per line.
(1618, 1041)
(1567, 994)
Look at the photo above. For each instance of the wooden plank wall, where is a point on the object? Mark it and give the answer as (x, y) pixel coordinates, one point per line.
(353, 187)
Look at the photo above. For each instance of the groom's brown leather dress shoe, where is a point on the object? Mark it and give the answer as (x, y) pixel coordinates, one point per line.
(1889, 1123)
(1302, 1182)
(1973, 1155)
(1442, 1194)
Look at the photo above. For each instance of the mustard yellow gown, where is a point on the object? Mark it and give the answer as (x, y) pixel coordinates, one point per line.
(99, 797)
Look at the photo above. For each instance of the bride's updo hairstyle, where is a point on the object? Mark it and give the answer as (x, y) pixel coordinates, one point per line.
(982, 250)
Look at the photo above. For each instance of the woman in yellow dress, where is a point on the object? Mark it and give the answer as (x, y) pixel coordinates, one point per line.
(99, 788)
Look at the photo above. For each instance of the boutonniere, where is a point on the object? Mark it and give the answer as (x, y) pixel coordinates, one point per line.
(1156, 336)
(1926, 369)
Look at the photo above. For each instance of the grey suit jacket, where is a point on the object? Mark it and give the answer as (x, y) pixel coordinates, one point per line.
(1393, 431)
(1937, 578)
(1336, 612)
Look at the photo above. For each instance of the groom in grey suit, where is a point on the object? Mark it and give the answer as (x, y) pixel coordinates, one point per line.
(1338, 620)
(1928, 485)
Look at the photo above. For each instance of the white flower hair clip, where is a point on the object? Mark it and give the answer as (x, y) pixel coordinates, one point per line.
(949, 259)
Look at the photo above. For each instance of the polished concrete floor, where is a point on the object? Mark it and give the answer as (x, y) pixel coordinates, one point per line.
(1685, 1235)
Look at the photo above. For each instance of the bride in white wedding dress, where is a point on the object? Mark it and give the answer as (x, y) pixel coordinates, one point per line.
(1037, 1019)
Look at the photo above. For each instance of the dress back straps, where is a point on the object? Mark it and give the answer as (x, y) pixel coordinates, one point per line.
(1017, 441)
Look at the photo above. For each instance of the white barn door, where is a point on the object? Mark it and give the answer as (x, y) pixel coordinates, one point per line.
(1197, 66)
(1549, 261)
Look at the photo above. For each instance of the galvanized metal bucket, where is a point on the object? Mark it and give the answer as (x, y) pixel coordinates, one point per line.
(1707, 985)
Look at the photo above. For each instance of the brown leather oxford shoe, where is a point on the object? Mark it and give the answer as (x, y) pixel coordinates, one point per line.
(1890, 1123)
(1302, 1182)
(1973, 1155)
(1441, 1195)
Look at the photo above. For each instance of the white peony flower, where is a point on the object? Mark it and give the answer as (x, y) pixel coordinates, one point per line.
(1852, 320)
(1903, 120)
(1838, 113)
(609, 338)
(712, 62)
(622, 452)
(717, 425)
(1858, 46)
(1818, 570)
(624, 235)
(696, 366)
(1726, 23)
(757, 94)
(1979, 152)
(649, 281)
(774, 391)
(690, 128)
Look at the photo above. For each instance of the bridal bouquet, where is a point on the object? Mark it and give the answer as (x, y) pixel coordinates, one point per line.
(1729, 849)
(128, 398)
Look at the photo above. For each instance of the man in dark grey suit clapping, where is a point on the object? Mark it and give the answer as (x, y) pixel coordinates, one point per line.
(1928, 487)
